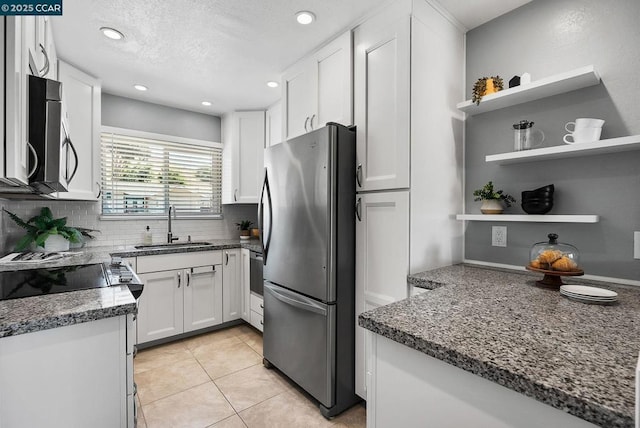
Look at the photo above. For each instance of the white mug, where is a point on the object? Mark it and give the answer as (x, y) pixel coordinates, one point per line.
(585, 135)
(584, 122)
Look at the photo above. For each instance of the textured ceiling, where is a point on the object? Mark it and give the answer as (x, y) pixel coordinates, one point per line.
(223, 51)
(471, 13)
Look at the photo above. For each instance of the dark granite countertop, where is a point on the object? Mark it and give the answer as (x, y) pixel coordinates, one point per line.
(499, 325)
(32, 314)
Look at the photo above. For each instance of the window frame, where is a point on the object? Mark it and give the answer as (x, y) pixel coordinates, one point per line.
(160, 137)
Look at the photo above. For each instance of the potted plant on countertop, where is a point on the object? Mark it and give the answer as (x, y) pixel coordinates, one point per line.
(244, 226)
(492, 200)
(44, 233)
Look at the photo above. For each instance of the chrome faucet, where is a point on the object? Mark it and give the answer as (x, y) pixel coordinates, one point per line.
(170, 237)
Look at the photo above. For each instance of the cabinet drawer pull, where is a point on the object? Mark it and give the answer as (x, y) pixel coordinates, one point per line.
(359, 175)
(235, 195)
(99, 190)
(359, 209)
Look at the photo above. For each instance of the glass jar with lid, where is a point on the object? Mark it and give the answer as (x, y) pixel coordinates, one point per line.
(555, 256)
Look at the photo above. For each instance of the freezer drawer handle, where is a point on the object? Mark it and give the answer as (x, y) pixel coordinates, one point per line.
(297, 303)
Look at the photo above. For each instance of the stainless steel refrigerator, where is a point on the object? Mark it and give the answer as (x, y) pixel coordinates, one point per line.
(307, 226)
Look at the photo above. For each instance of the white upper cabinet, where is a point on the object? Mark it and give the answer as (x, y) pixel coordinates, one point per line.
(318, 89)
(242, 156)
(28, 49)
(297, 102)
(273, 125)
(382, 73)
(15, 164)
(81, 97)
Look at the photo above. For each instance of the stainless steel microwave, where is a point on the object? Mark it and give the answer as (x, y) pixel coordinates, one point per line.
(50, 147)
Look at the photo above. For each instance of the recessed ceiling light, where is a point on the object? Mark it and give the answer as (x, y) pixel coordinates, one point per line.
(112, 33)
(206, 103)
(272, 84)
(305, 17)
(140, 87)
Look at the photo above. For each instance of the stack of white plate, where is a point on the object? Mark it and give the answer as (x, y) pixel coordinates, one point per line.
(587, 294)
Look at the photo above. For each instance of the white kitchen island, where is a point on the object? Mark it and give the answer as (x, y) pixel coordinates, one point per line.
(488, 348)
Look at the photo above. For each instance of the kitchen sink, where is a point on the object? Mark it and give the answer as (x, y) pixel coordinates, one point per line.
(173, 245)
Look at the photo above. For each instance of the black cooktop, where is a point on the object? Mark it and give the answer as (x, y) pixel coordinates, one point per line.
(36, 282)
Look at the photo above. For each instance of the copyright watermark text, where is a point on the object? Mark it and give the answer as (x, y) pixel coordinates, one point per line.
(30, 7)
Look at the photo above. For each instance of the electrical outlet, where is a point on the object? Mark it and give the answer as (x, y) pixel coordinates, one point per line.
(499, 236)
(636, 245)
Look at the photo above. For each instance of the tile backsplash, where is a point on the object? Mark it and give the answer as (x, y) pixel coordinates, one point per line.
(123, 232)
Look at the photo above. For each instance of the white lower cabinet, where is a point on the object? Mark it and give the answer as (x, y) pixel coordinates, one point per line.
(203, 297)
(160, 307)
(411, 389)
(382, 261)
(232, 296)
(245, 279)
(186, 298)
(256, 318)
(79, 375)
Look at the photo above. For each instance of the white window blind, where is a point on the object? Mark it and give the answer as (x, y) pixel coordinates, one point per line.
(144, 176)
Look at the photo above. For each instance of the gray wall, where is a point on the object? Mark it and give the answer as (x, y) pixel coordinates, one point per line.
(133, 114)
(127, 113)
(546, 37)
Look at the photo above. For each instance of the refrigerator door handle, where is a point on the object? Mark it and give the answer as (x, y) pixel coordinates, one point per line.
(267, 188)
(305, 305)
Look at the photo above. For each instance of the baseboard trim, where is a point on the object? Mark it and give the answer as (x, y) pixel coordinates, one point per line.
(589, 277)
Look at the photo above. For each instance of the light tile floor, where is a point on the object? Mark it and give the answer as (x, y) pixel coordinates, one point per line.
(217, 380)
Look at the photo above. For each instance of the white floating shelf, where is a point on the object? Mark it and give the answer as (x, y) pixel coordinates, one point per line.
(547, 87)
(611, 145)
(530, 218)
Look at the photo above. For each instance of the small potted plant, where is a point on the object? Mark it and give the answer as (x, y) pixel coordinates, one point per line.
(492, 200)
(244, 226)
(44, 233)
(485, 86)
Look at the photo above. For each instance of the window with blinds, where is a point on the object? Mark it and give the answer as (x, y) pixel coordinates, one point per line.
(143, 176)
